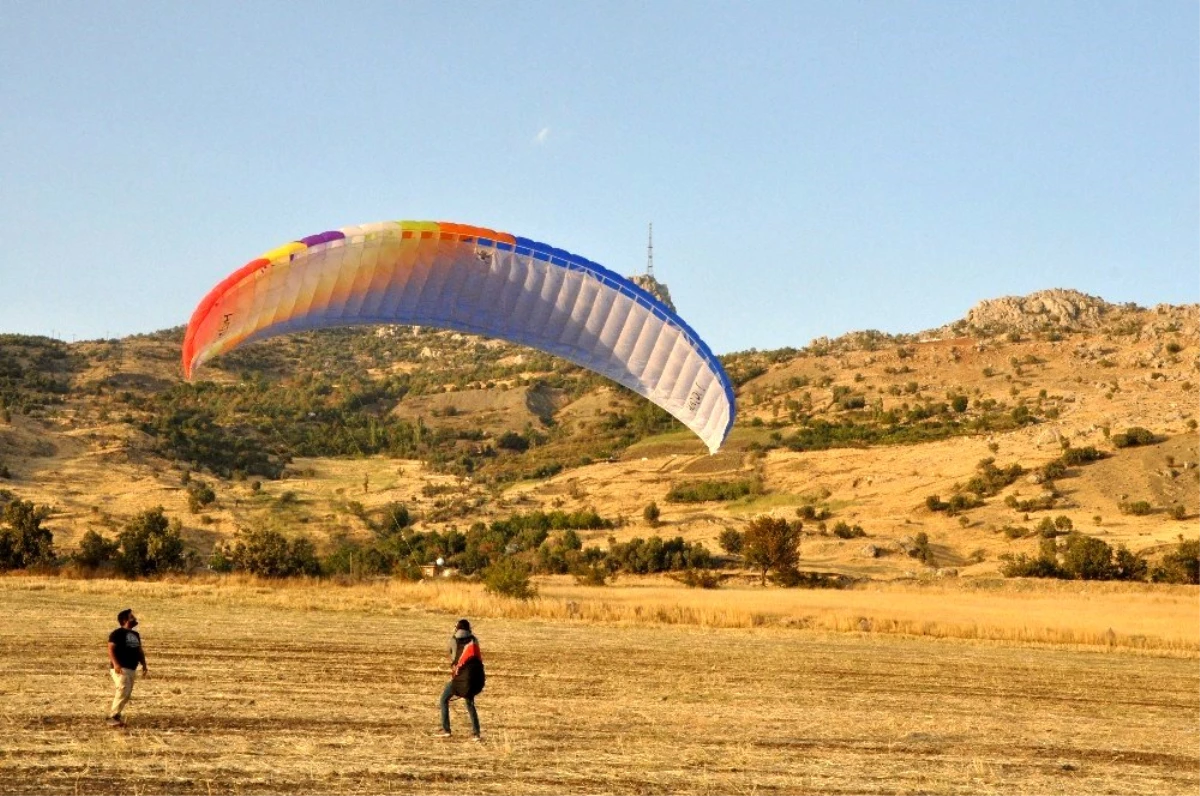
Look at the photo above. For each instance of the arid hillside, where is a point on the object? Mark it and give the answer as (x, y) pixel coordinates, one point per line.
(870, 439)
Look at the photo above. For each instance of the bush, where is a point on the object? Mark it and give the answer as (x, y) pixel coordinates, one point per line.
(95, 551)
(1073, 457)
(922, 551)
(1137, 508)
(1181, 565)
(268, 554)
(811, 513)
(150, 544)
(200, 495)
(704, 491)
(651, 514)
(1134, 436)
(1041, 503)
(700, 579)
(730, 541)
(512, 441)
(1082, 558)
(594, 574)
(644, 556)
(509, 577)
(844, 530)
(395, 519)
(990, 479)
(1023, 566)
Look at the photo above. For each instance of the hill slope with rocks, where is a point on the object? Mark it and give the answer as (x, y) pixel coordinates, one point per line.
(315, 434)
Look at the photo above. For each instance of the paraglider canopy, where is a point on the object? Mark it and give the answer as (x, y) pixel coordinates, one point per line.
(476, 280)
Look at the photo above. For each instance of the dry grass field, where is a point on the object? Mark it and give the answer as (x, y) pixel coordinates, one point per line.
(643, 688)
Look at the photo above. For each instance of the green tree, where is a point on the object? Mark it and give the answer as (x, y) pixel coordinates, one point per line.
(94, 550)
(1181, 565)
(509, 577)
(150, 544)
(268, 554)
(1087, 558)
(651, 514)
(730, 541)
(771, 544)
(24, 542)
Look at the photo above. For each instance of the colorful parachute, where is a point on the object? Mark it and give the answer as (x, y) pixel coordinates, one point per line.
(472, 280)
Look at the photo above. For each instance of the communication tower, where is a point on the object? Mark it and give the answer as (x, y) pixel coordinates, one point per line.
(650, 252)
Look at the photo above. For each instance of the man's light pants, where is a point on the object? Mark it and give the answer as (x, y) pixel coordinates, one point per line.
(123, 683)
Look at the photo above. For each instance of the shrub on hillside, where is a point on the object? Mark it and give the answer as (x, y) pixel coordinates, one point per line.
(509, 577)
(1181, 565)
(700, 579)
(150, 544)
(990, 479)
(1043, 502)
(843, 530)
(512, 441)
(1073, 457)
(395, 518)
(1134, 436)
(647, 556)
(705, 491)
(651, 514)
(811, 513)
(268, 554)
(921, 550)
(1137, 508)
(1080, 558)
(200, 494)
(730, 540)
(95, 551)
(594, 574)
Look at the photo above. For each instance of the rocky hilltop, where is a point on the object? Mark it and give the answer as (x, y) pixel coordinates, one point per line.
(655, 288)
(1056, 308)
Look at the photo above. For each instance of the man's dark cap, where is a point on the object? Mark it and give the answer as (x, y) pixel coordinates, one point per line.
(123, 617)
(463, 624)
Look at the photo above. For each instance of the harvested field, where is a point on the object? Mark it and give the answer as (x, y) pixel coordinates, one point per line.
(324, 689)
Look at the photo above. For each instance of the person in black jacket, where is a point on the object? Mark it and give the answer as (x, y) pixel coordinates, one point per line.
(125, 653)
(466, 676)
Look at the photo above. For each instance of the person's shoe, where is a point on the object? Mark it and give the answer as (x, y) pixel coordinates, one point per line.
(442, 734)
(116, 721)
(477, 738)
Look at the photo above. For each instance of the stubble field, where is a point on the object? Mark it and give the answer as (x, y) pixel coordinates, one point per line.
(321, 688)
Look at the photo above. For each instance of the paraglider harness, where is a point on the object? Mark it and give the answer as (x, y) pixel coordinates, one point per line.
(468, 677)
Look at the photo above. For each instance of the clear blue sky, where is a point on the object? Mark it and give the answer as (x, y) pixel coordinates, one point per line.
(810, 168)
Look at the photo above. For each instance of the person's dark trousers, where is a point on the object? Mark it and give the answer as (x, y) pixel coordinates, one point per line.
(447, 695)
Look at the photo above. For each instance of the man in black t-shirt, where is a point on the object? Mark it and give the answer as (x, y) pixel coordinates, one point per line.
(124, 653)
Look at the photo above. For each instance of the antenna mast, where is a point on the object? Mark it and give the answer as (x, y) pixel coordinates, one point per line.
(650, 252)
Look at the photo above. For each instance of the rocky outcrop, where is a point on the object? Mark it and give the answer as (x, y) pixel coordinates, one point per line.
(1046, 309)
(655, 288)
